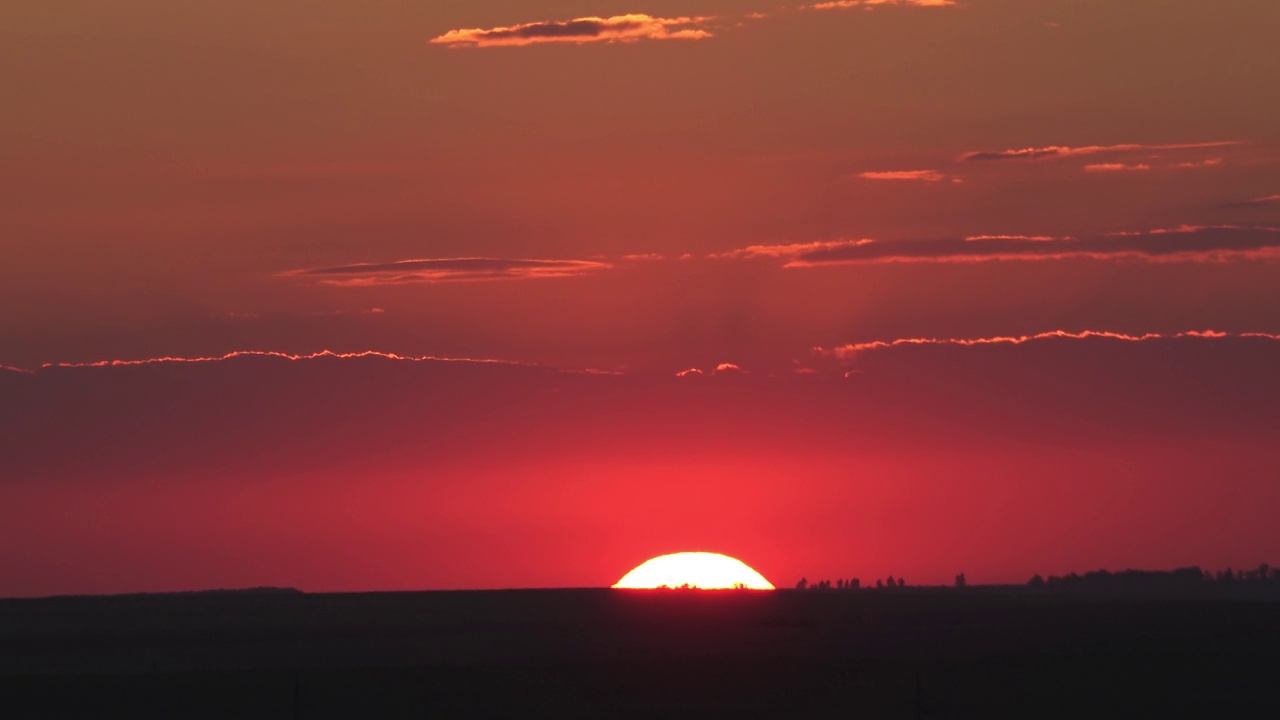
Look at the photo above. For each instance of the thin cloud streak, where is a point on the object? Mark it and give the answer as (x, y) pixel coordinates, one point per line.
(323, 354)
(306, 357)
(1115, 167)
(1023, 238)
(633, 27)
(446, 270)
(1256, 202)
(845, 352)
(916, 175)
(1183, 244)
(1200, 165)
(618, 28)
(1063, 151)
(868, 4)
(790, 250)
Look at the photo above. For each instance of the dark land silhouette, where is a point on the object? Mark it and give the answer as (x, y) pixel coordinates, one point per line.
(1100, 644)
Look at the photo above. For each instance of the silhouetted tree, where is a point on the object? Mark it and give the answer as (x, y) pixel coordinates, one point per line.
(879, 583)
(901, 582)
(890, 581)
(803, 584)
(1036, 581)
(960, 581)
(854, 583)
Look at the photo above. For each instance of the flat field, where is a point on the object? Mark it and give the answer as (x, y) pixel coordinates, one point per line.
(910, 652)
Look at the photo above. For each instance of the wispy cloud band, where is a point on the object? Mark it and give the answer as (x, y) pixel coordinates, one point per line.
(1116, 167)
(845, 352)
(238, 354)
(618, 28)
(908, 175)
(1063, 151)
(1182, 244)
(632, 27)
(868, 4)
(446, 270)
(1256, 202)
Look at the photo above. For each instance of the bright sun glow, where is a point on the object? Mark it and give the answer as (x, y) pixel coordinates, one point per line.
(703, 570)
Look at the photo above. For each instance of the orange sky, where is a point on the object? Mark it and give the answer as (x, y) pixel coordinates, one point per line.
(639, 190)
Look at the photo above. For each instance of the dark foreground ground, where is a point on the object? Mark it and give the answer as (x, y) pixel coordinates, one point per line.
(598, 653)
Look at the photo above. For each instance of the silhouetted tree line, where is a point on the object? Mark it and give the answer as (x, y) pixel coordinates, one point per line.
(1144, 579)
(1181, 578)
(850, 584)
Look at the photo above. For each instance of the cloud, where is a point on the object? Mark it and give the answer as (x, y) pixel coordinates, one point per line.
(869, 4)
(720, 369)
(643, 257)
(619, 28)
(302, 357)
(1062, 151)
(1256, 202)
(446, 270)
(272, 354)
(1115, 167)
(1182, 244)
(631, 27)
(790, 250)
(1195, 165)
(918, 175)
(1023, 238)
(845, 352)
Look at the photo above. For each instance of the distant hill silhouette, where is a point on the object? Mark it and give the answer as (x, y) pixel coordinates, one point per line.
(263, 590)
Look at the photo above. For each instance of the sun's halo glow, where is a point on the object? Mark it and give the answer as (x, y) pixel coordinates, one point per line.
(701, 570)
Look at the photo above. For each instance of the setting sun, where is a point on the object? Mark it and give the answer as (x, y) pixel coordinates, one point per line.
(702, 570)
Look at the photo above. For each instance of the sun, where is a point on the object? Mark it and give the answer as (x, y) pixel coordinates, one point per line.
(702, 570)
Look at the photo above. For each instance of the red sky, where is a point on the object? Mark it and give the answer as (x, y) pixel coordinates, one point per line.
(994, 283)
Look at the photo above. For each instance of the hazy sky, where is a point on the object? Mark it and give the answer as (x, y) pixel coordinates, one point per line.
(994, 284)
